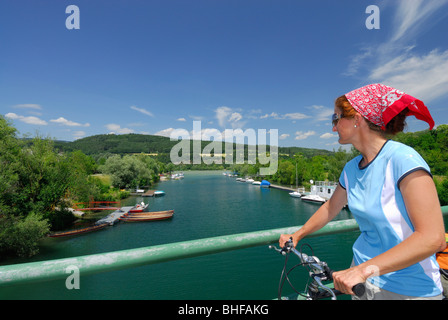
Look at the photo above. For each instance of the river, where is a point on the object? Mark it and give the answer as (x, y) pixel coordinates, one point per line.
(206, 204)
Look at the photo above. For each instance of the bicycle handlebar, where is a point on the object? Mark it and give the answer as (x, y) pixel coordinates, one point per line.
(319, 268)
(358, 289)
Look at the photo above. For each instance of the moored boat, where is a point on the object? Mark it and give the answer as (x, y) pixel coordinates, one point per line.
(295, 194)
(148, 217)
(139, 207)
(265, 184)
(77, 231)
(143, 214)
(321, 192)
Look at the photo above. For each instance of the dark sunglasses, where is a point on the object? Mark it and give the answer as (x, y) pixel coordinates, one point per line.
(335, 118)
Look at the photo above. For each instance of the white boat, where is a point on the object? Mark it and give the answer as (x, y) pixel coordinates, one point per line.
(298, 194)
(314, 198)
(158, 193)
(321, 192)
(295, 194)
(139, 207)
(249, 180)
(257, 183)
(177, 176)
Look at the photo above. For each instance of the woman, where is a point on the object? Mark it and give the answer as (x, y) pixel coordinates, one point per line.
(390, 192)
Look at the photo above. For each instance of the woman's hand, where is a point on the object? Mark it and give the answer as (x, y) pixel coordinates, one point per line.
(285, 238)
(345, 280)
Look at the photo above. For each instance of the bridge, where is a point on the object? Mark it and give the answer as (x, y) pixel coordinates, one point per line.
(118, 260)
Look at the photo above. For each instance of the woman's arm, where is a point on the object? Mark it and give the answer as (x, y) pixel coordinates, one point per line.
(422, 204)
(320, 218)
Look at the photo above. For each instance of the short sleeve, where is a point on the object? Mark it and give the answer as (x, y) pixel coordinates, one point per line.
(406, 161)
(349, 166)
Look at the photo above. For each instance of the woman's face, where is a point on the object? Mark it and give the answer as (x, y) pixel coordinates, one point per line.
(344, 126)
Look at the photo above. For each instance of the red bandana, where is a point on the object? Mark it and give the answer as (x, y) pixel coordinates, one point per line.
(379, 104)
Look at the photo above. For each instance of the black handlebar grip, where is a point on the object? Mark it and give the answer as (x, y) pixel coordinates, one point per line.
(358, 289)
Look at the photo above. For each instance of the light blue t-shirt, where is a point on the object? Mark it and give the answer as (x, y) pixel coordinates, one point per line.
(375, 200)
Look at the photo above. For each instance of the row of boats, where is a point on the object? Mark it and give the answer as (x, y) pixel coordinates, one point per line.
(321, 191)
(135, 214)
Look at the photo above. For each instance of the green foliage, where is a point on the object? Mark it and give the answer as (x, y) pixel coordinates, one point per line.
(21, 236)
(432, 145)
(442, 191)
(36, 184)
(131, 171)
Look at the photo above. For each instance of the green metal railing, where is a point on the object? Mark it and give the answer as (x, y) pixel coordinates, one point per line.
(118, 260)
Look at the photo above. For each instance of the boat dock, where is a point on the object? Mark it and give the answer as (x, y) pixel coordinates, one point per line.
(112, 218)
(282, 188)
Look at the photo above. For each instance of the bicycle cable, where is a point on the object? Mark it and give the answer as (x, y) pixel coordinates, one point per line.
(285, 275)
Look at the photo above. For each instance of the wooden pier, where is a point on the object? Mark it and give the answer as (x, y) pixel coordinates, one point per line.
(149, 193)
(112, 218)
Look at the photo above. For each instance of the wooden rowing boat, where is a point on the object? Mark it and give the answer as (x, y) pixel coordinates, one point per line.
(148, 213)
(77, 231)
(148, 217)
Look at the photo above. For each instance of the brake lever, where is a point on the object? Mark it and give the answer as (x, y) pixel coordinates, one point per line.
(288, 246)
(281, 251)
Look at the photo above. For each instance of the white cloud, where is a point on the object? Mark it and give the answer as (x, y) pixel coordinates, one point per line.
(28, 106)
(357, 61)
(328, 135)
(181, 119)
(322, 113)
(141, 110)
(65, 122)
(79, 134)
(117, 129)
(174, 133)
(284, 136)
(295, 116)
(235, 116)
(28, 120)
(411, 17)
(287, 116)
(272, 115)
(208, 133)
(393, 62)
(228, 117)
(300, 135)
(425, 77)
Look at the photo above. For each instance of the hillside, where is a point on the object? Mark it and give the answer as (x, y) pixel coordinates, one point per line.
(140, 143)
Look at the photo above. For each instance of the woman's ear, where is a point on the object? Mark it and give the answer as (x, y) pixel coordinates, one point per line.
(358, 120)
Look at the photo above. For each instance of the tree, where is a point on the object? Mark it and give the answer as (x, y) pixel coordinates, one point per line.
(128, 171)
(29, 180)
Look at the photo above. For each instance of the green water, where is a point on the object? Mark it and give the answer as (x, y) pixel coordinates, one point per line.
(206, 204)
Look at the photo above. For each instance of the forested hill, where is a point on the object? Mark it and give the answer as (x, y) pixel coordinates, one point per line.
(119, 144)
(432, 145)
(140, 143)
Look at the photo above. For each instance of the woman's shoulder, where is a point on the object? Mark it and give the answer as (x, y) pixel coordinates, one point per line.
(406, 157)
(398, 150)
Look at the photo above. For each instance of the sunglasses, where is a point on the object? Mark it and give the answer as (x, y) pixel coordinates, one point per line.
(335, 118)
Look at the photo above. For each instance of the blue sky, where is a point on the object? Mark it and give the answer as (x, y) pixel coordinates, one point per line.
(153, 67)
